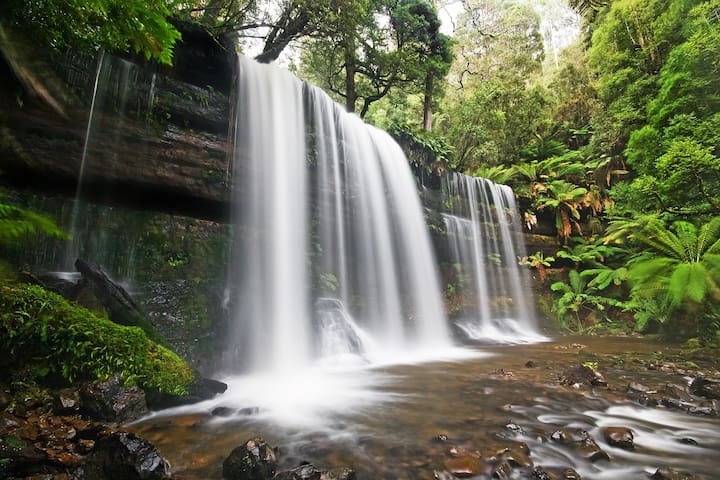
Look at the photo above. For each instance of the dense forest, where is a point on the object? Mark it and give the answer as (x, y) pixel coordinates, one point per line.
(613, 138)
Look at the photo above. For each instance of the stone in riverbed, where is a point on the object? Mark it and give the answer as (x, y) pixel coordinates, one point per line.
(467, 466)
(125, 456)
(620, 437)
(672, 474)
(255, 460)
(516, 456)
(580, 441)
(582, 376)
(307, 471)
(110, 400)
(555, 473)
(702, 387)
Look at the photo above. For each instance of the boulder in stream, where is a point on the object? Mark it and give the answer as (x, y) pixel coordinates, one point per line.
(621, 437)
(582, 376)
(702, 387)
(555, 473)
(672, 474)
(125, 456)
(255, 460)
(581, 442)
(307, 471)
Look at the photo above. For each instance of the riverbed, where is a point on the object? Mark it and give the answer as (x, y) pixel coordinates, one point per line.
(421, 419)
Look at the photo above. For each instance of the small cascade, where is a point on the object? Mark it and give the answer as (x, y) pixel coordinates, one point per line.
(485, 243)
(121, 91)
(327, 214)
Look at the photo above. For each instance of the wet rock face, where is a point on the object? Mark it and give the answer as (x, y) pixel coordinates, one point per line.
(110, 400)
(125, 456)
(255, 460)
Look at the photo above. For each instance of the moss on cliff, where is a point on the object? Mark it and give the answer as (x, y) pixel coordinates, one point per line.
(47, 339)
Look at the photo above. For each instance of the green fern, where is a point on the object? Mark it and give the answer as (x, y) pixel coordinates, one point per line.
(18, 225)
(681, 271)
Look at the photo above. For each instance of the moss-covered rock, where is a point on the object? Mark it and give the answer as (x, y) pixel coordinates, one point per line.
(50, 340)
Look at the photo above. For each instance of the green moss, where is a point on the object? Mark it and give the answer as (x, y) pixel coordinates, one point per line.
(47, 337)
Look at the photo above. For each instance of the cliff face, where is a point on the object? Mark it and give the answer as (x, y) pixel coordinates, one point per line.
(156, 141)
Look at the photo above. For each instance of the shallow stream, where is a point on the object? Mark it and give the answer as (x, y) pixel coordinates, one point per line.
(406, 421)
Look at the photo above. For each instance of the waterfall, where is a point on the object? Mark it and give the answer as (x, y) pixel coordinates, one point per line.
(484, 238)
(121, 91)
(328, 226)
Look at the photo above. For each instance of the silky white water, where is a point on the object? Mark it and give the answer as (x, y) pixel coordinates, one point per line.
(485, 243)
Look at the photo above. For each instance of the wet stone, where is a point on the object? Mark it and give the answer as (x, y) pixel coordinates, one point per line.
(125, 456)
(672, 474)
(620, 437)
(590, 450)
(703, 387)
(516, 457)
(514, 427)
(635, 387)
(222, 412)
(442, 438)
(255, 460)
(467, 466)
(249, 411)
(581, 442)
(307, 471)
(555, 473)
(110, 400)
(582, 376)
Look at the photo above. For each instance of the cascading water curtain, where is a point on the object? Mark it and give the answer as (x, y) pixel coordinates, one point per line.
(329, 233)
(485, 244)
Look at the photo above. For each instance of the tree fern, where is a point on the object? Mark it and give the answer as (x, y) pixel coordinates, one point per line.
(681, 271)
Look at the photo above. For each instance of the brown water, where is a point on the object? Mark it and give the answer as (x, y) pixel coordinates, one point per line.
(391, 424)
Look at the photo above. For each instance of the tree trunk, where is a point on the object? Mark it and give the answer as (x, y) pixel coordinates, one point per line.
(427, 102)
(350, 92)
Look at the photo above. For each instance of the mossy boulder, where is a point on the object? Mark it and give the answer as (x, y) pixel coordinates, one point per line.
(49, 340)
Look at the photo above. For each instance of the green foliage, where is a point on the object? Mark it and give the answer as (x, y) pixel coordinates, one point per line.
(19, 225)
(681, 272)
(48, 338)
(539, 262)
(428, 148)
(578, 300)
(115, 25)
(360, 58)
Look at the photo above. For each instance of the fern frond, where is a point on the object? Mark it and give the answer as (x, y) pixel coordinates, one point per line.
(650, 271)
(687, 235)
(709, 236)
(687, 282)
(656, 236)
